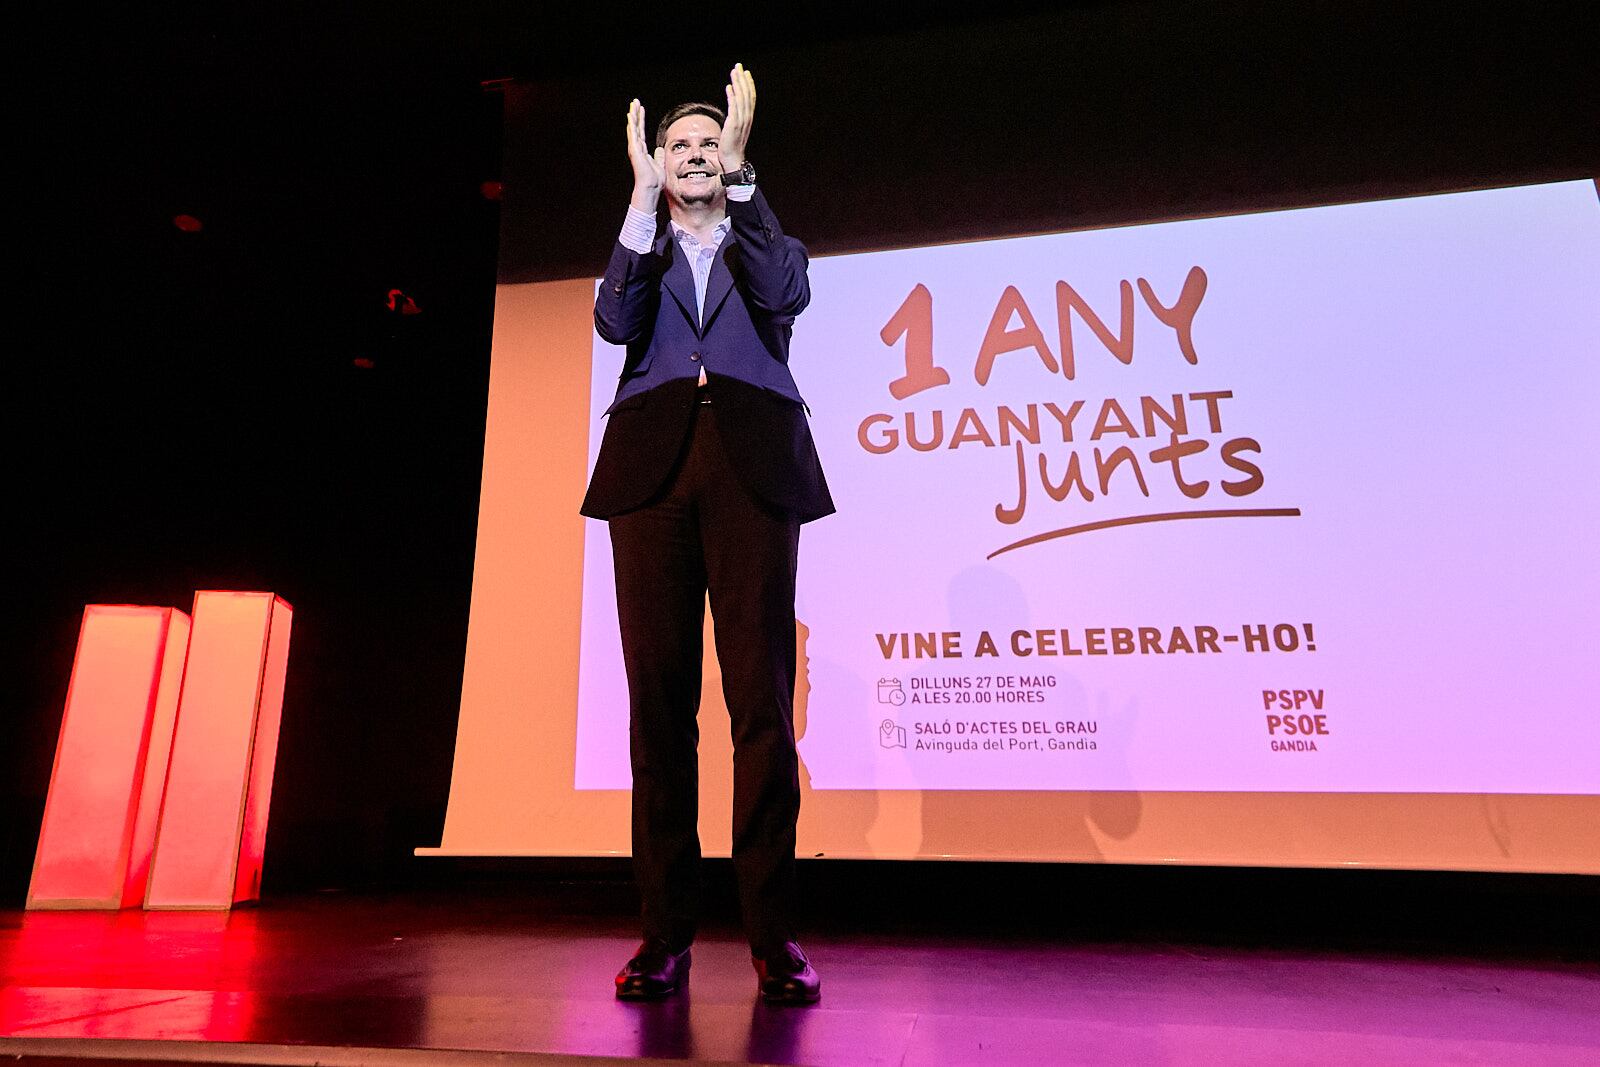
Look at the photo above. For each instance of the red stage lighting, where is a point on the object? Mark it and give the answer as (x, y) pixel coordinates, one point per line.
(111, 759)
(214, 818)
(399, 301)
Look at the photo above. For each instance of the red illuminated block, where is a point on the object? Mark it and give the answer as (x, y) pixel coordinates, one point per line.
(111, 759)
(219, 781)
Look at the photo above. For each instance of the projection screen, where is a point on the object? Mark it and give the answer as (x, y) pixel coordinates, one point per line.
(1262, 539)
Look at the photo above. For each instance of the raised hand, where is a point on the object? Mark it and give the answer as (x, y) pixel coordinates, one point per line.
(741, 113)
(649, 168)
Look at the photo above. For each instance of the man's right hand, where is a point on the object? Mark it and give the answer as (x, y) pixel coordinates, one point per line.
(649, 168)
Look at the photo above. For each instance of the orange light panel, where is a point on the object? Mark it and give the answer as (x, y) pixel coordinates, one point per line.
(111, 759)
(219, 785)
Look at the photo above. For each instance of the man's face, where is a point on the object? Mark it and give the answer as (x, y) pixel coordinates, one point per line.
(694, 171)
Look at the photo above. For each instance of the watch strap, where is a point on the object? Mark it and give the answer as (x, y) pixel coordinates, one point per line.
(745, 175)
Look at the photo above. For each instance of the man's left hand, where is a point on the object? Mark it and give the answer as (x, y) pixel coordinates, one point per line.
(741, 113)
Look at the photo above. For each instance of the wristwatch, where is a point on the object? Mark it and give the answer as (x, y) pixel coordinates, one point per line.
(745, 175)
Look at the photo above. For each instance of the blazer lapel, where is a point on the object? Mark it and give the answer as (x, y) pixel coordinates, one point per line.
(720, 284)
(679, 280)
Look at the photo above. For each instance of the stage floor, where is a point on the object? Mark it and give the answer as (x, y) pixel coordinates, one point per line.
(454, 977)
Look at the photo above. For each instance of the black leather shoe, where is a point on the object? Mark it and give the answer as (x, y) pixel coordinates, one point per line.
(787, 977)
(654, 972)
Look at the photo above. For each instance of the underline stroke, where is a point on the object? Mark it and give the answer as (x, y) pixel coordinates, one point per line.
(1135, 520)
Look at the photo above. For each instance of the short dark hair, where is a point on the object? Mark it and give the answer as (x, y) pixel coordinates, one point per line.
(710, 111)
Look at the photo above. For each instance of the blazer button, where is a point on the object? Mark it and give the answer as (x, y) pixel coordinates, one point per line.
(695, 356)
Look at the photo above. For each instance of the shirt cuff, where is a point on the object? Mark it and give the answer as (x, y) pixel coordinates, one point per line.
(638, 231)
(741, 193)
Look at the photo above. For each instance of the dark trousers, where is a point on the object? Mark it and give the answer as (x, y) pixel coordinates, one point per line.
(706, 532)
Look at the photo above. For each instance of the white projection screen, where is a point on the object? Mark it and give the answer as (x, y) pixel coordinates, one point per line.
(1261, 539)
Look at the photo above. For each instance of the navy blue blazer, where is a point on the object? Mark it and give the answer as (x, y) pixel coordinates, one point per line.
(646, 303)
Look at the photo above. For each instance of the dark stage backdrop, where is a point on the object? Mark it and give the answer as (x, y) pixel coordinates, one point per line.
(187, 411)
